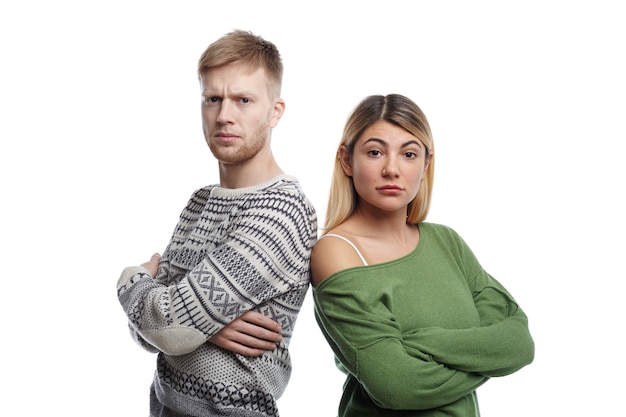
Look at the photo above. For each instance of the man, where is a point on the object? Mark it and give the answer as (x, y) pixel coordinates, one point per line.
(219, 306)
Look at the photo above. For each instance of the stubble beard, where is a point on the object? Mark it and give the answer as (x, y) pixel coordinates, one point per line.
(245, 150)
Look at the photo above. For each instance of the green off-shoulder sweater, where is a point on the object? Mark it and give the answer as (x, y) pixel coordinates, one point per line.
(417, 335)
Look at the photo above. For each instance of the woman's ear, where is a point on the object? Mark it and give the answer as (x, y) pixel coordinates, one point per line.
(345, 159)
(427, 162)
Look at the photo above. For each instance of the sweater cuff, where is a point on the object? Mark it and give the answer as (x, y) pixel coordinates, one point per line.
(128, 273)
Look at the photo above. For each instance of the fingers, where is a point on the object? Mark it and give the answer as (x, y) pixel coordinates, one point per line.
(220, 340)
(153, 264)
(264, 341)
(250, 335)
(254, 329)
(234, 340)
(263, 325)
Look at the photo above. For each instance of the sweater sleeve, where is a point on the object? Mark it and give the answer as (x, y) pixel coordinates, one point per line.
(369, 344)
(134, 334)
(264, 254)
(499, 346)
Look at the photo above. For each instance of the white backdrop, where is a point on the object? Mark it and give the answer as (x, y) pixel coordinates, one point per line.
(101, 147)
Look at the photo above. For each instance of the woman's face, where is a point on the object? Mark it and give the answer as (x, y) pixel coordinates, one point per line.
(387, 166)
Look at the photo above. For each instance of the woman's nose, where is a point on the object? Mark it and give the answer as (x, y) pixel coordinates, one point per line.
(390, 169)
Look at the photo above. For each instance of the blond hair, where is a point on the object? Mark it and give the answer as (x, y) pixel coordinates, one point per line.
(247, 48)
(400, 111)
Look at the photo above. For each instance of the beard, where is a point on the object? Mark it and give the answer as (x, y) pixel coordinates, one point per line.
(244, 150)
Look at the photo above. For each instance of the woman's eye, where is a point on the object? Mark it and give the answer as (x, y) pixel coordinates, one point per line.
(374, 152)
(411, 155)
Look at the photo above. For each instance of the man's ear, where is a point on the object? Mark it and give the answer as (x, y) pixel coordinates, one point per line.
(279, 109)
(345, 159)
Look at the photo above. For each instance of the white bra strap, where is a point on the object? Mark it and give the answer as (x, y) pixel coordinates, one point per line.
(350, 243)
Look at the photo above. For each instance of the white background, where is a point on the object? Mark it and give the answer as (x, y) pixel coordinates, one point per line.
(101, 147)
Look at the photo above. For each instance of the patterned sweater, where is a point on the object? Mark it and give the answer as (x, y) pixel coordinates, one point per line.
(418, 335)
(233, 250)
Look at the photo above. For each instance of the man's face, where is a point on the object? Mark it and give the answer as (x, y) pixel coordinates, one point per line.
(237, 112)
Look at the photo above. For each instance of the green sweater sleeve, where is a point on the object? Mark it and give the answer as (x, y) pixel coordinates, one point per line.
(369, 344)
(501, 345)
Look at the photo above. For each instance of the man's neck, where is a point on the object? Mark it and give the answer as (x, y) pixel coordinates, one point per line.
(247, 175)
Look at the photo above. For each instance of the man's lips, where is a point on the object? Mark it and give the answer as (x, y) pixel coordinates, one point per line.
(225, 137)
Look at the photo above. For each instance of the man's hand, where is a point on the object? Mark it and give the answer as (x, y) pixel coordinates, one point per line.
(249, 335)
(153, 264)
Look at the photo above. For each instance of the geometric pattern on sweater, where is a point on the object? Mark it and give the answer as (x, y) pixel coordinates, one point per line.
(233, 250)
(267, 255)
(222, 396)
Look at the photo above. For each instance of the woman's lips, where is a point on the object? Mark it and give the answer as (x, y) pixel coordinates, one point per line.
(390, 189)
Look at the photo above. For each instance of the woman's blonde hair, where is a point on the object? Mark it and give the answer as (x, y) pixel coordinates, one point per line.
(400, 111)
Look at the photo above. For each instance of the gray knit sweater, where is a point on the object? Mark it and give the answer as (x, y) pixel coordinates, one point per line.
(233, 250)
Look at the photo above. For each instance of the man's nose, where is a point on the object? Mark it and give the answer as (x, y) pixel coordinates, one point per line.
(224, 116)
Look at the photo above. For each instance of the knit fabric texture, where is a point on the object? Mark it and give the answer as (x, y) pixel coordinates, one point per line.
(418, 335)
(233, 250)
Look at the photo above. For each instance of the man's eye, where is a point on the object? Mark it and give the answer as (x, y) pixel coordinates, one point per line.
(245, 100)
(211, 100)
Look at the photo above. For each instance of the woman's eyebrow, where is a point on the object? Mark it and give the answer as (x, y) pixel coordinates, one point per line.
(404, 145)
(413, 142)
(377, 140)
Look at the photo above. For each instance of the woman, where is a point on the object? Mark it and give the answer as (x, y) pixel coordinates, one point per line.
(413, 319)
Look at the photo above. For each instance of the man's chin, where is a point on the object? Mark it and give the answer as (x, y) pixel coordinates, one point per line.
(227, 158)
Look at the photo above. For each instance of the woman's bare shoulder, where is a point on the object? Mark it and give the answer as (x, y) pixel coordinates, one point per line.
(332, 254)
